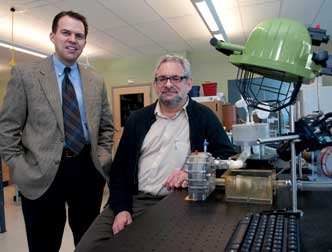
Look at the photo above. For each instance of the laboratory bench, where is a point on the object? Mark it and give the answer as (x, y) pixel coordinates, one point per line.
(175, 224)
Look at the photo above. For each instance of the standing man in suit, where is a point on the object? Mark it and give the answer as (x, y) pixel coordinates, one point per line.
(56, 135)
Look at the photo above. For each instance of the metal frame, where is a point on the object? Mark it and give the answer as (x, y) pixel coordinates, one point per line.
(292, 139)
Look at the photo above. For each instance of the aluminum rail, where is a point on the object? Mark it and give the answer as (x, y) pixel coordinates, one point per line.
(314, 185)
(277, 139)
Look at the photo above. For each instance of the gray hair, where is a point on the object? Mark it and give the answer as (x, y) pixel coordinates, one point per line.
(174, 58)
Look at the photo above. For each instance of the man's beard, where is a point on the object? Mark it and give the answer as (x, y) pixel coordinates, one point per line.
(175, 101)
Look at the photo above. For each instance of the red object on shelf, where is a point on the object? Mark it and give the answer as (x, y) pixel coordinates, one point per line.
(209, 88)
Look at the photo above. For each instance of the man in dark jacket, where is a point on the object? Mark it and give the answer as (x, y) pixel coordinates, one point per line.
(153, 149)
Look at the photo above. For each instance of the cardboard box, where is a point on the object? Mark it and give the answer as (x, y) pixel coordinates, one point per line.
(216, 107)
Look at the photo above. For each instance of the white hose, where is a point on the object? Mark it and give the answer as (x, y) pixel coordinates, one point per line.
(233, 164)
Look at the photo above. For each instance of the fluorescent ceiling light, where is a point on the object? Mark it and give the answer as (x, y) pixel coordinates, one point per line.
(208, 13)
(22, 49)
(219, 36)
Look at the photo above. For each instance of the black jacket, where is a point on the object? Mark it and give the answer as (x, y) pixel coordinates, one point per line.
(203, 124)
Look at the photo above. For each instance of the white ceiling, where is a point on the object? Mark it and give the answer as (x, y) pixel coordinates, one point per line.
(125, 28)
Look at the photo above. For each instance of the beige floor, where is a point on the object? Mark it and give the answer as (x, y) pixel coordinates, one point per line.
(14, 240)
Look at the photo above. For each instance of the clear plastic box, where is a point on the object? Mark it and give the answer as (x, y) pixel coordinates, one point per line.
(201, 175)
(252, 186)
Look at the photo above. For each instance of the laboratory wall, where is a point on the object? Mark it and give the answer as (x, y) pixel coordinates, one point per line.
(207, 65)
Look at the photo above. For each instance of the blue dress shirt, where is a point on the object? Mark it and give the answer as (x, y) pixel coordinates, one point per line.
(75, 78)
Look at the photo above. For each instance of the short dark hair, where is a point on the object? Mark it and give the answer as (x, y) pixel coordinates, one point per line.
(71, 14)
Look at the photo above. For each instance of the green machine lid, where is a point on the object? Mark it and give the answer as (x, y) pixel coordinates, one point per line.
(278, 49)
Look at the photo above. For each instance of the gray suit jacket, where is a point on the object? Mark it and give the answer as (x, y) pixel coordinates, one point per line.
(31, 125)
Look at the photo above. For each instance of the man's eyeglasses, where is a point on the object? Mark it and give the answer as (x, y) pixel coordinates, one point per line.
(174, 79)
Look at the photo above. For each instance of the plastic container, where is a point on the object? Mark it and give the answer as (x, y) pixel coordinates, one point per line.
(201, 175)
(251, 186)
(194, 92)
(228, 116)
(209, 88)
(249, 133)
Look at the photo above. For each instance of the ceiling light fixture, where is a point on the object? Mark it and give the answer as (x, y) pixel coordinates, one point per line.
(22, 49)
(14, 47)
(208, 13)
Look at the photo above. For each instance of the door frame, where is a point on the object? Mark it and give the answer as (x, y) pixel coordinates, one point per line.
(146, 89)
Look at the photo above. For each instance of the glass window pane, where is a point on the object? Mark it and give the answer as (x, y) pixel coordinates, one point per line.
(129, 103)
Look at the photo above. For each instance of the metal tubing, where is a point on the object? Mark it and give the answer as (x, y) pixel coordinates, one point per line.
(277, 139)
(228, 46)
(293, 166)
(294, 185)
(314, 185)
(299, 160)
(282, 183)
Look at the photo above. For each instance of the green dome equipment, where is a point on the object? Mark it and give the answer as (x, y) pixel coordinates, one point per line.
(275, 59)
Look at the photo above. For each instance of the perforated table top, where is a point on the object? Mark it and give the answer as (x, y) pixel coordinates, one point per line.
(178, 225)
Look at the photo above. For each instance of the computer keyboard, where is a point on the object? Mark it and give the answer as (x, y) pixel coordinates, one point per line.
(272, 231)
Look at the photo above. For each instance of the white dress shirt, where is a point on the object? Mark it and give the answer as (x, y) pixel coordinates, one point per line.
(164, 149)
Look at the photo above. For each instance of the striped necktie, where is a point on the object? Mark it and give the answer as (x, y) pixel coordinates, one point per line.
(71, 116)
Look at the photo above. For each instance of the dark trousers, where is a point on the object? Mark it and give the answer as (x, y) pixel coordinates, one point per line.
(78, 185)
(101, 229)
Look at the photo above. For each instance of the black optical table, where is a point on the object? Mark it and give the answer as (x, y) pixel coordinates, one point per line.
(178, 225)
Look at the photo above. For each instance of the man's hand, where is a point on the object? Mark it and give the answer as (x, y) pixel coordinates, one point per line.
(121, 220)
(176, 180)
